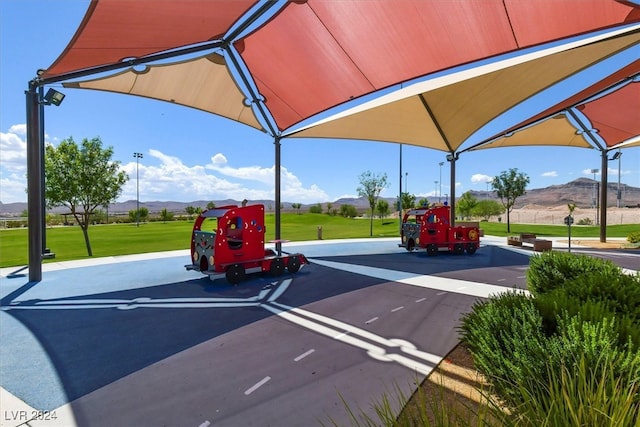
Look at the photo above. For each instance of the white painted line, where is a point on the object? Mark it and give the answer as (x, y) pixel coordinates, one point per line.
(257, 386)
(303, 355)
(441, 293)
(342, 334)
(521, 277)
(421, 299)
(397, 309)
(207, 423)
(461, 288)
(502, 280)
(424, 281)
(371, 320)
(279, 290)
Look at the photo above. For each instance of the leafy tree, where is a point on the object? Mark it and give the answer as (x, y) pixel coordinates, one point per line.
(371, 185)
(487, 208)
(190, 210)
(348, 211)
(165, 215)
(211, 205)
(82, 179)
(465, 204)
(296, 206)
(139, 214)
(408, 200)
(317, 208)
(329, 207)
(423, 202)
(382, 207)
(510, 185)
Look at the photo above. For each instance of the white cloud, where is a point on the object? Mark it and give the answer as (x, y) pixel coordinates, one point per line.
(590, 172)
(173, 180)
(479, 178)
(550, 174)
(13, 165)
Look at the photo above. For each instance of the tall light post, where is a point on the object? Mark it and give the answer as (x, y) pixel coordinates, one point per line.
(440, 190)
(617, 157)
(406, 178)
(137, 156)
(594, 201)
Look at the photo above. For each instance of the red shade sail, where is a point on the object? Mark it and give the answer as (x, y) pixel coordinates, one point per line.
(115, 30)
(320, 53)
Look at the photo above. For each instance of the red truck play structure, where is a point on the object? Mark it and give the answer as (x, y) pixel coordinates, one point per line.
(429, 228)
(235, 247)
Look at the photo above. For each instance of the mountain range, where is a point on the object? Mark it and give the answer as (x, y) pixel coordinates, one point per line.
(580, 191)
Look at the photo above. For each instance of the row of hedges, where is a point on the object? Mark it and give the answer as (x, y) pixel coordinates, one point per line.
(568, 353)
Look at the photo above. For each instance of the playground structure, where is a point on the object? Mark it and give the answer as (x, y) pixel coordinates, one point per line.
(429, 228)
(236, 246)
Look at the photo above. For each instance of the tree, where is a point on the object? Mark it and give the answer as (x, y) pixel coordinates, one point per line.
(382, 207)
(211, 205)
(139, 214)
(465, 204)
(487, 208)
(165, 215)
(371, 185)
(423, 202)
(190, 210)
(348, 211)
(408, 200)
(82, 179)
(510, 185)
(296, 206)
(317, 208)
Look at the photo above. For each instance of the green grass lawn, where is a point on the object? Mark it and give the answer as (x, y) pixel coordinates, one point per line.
(119, 239)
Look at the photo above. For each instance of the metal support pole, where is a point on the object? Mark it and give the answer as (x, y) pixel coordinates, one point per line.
(400, 196)
(603, 197)
(277, 144)
(34, 183)
(452, 162)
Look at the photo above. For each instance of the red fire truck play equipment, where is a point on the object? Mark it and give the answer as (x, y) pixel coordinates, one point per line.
(429, 228)
(236, 246)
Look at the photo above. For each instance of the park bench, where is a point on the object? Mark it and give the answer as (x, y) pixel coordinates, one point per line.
(539, 245)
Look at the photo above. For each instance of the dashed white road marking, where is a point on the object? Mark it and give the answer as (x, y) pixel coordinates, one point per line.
(441, 293)
(421, 299)
(303, 355)
(257, 385)
(502, 280)
(373, 319)
(397, 309)
(207, 423)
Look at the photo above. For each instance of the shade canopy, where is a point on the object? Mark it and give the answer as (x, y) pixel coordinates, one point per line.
(306, 57)
(443, 112)
(605, 115)
(203, 83)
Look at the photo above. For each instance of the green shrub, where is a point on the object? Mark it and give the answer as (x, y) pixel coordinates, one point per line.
(558, 303)
(585, 393)
(551, 269)
(634, 237)
(505, 336)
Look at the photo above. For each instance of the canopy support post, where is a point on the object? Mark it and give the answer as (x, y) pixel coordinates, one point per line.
(277, 144)
(452, 161)
(35, 177)
(604, 178)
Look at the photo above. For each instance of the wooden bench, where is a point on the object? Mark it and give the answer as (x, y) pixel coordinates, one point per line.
(539, 245)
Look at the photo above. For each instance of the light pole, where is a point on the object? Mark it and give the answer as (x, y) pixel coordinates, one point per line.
(435, 189)
(137, 156)
(617, 157)
(440, 190)
(594, 201)
(406, 178)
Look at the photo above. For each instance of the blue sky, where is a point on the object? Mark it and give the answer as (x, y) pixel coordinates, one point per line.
(190, 155)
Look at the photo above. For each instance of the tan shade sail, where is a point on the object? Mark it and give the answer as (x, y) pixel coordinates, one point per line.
(441, 113)
(610, 109)
(203, 83)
